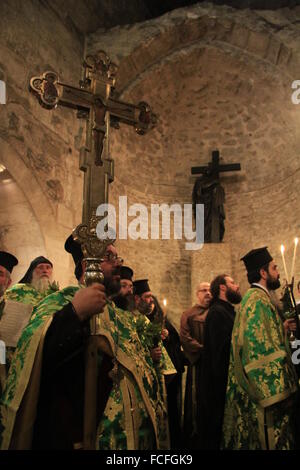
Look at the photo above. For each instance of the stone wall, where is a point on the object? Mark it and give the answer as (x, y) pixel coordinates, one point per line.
(40, 147)
(207, 263)
(19, 227)
(218, 78)
(164, 262)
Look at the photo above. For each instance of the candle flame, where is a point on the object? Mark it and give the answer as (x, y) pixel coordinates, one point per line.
(165, 302)
(296, 241)
(282, 248)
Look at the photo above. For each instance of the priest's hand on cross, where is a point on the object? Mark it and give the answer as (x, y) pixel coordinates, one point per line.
(89, 301)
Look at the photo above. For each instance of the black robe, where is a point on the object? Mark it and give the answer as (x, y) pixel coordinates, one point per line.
(214, 373)
(174, 385)
(59, 419)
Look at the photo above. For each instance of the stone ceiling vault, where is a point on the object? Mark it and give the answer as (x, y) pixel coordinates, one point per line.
(217, 78)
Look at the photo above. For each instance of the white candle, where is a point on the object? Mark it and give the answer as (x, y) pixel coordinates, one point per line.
(284, 265)
(294, 258)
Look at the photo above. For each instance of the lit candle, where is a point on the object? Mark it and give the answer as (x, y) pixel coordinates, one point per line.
(294, 258)
(284, 265)
(165, 302)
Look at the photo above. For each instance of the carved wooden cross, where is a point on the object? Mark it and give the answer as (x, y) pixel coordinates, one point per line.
(214, 168)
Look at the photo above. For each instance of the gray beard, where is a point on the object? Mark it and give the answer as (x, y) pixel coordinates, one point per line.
(41, 284)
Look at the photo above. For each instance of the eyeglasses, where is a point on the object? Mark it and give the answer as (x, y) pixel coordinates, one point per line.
(112, 258)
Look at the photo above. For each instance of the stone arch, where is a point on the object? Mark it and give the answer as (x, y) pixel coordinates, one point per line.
(222, 24)
(31, 189)
(237, 87)
(20, 232)
(242, 119)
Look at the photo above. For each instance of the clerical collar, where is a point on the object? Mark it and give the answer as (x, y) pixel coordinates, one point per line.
(255, 284)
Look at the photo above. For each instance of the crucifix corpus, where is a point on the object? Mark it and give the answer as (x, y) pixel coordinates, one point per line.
(208, 191)
(95, 103)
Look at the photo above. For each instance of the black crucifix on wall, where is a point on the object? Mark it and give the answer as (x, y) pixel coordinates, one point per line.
(208, 191)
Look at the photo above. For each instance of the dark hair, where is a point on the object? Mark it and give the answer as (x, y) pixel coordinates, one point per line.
(215, 285)
(158, 311)
(255, 276)
(78, 270)
(298, 285)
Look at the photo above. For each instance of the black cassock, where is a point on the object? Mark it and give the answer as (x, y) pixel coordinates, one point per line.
(174, 384)
(174, 387)
(214, 373)
(59, 419)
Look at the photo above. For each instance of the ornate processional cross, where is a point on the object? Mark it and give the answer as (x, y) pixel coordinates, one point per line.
(94, 102)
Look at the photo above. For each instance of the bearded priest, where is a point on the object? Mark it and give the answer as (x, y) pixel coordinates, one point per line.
(262, 381)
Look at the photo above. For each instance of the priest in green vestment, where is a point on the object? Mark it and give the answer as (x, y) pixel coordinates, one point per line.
(34, 286)
(262, 382)
(36, 283)
(42, 406)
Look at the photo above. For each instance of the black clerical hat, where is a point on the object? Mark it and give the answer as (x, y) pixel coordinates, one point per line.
(256, 259)
(74, 247)
(126, 273)
(141, 286)
(26, 279)
(8, 261)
